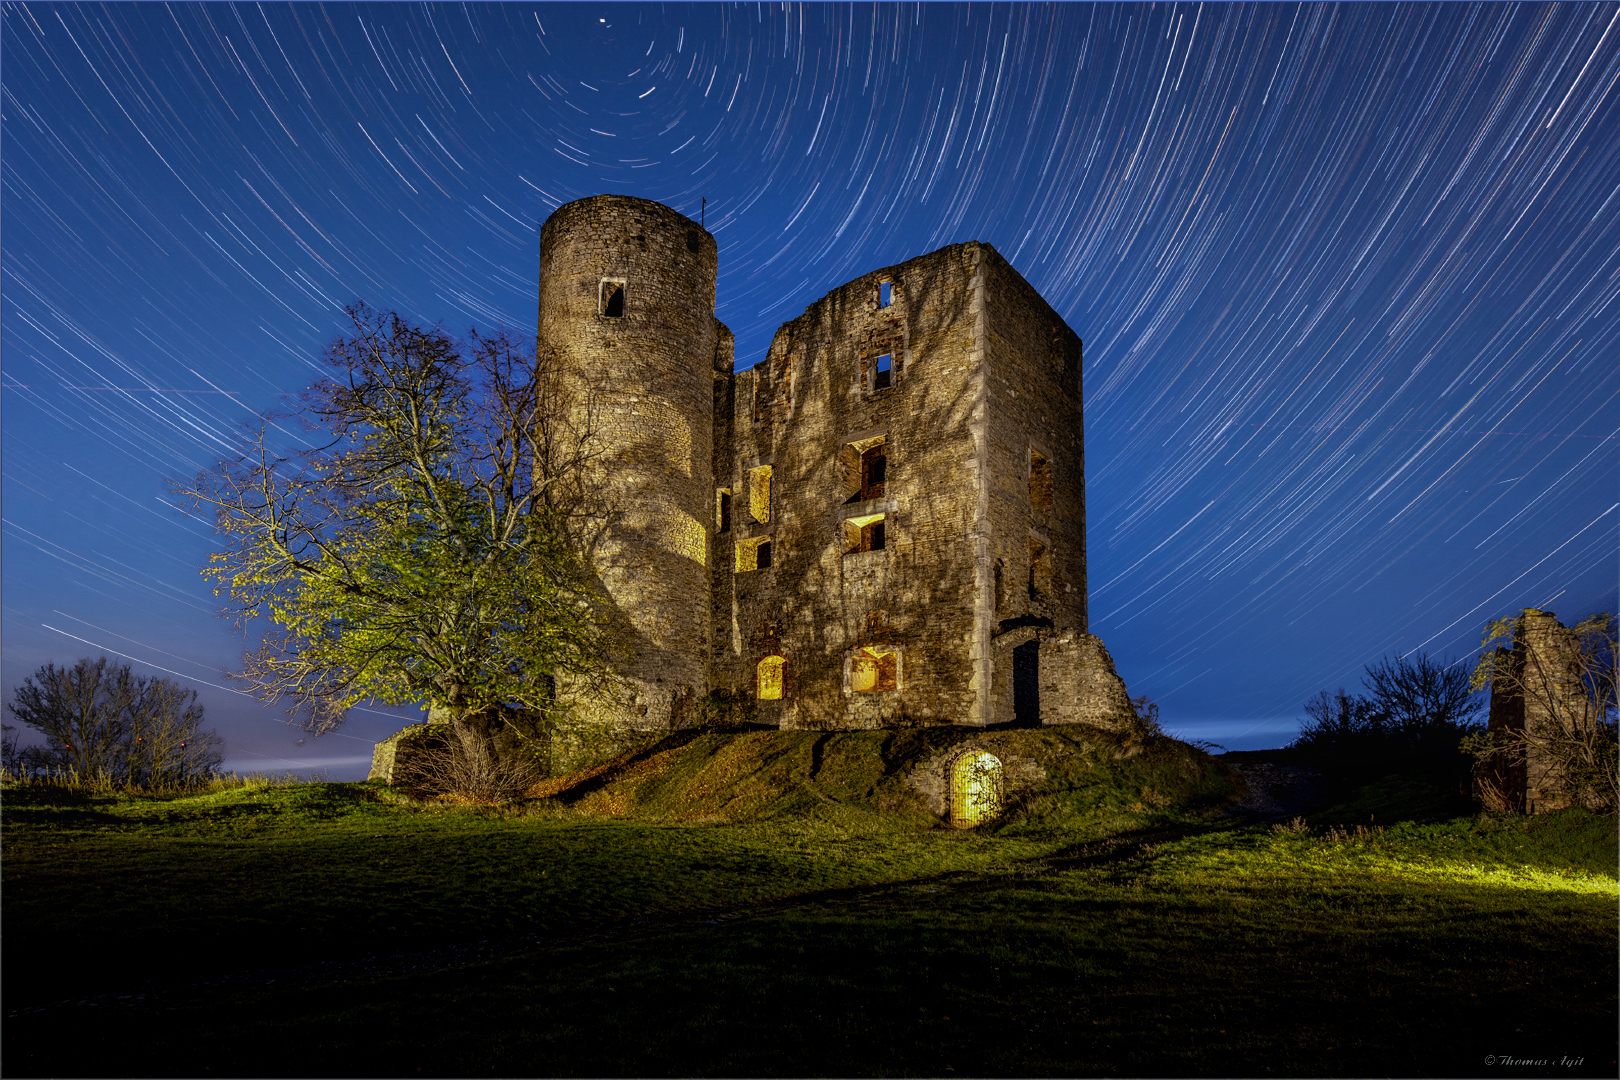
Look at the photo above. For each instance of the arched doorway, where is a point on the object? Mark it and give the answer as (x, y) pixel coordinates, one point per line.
(769, 680)
(975, 788)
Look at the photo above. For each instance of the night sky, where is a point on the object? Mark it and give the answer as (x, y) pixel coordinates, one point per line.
(1347, 279)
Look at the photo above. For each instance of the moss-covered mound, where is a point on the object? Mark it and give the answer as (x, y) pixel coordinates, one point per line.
(1055, 778)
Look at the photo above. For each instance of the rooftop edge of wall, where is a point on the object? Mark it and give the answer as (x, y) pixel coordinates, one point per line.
(838, 296)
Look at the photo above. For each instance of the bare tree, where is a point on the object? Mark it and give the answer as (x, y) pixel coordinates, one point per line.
(1552, 735)
(103, 720)
(1421, 700)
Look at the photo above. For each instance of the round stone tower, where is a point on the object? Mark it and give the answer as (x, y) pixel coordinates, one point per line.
(627, 311)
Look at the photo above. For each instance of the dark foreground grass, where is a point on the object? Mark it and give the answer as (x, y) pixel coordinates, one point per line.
(1431, 947)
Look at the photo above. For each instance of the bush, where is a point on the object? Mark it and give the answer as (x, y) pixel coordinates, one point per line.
(1414, 715)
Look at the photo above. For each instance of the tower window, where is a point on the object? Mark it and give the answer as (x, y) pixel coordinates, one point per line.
(874, 670)
(693, 244)
(874, 471)
(612, 298)
(885, 293)
(863, 469)
(753, 554)
(722, 510)
(1040, 571)
(759, 493)
(1040, 480)
(883, 374)
(864, 533)
(768, 678)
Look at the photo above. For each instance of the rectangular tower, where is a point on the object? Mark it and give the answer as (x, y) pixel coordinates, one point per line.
(899, 530)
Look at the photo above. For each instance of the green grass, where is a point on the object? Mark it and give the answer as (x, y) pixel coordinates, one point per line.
(811, 931)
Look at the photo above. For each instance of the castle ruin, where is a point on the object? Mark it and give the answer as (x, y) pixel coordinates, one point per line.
(879, 524)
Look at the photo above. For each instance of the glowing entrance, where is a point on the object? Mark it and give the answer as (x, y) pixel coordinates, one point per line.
(975, 788)
(768, 678)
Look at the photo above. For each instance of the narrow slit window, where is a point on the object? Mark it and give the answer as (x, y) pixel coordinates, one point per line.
(769, 683)
(759, 493)
(885, 293)
(864, 533)
(722, 511)
(874, 670)
(753, 554)
(1040, 481)
(612, 298)
(883, 375)
(1040, 572)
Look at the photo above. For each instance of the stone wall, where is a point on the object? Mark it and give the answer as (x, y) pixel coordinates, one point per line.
(1035, 482)
(1537, 690)
(749, 545)
(809, 411)
(627, 308)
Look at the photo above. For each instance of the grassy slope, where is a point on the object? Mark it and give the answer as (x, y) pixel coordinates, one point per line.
(1415, 951)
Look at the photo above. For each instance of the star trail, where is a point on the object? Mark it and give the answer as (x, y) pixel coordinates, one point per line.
(1346, 276)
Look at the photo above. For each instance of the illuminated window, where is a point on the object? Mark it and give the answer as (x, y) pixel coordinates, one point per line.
(863, 469)
(768, 679)
(864, 533)
(722, 510)
(874, 671)
(753, 554)
(1040, 481)
(611, 298)
(975, 788)
(759, 493)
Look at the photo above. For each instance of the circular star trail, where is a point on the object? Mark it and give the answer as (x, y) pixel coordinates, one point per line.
(1346, 275)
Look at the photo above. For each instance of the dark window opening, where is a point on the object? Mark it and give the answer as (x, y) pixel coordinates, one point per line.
(1027, 684)
(762, 556)
(874, 470)
(881, 380)
(885, 293)
(1040, 574)
(613, 301)
(692, 243)
(872, 536)
(725, 511)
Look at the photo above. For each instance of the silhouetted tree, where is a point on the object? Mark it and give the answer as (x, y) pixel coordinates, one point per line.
(1414, 712)
(103, 720)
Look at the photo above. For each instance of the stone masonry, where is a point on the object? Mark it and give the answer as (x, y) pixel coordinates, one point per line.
(880, 524)
(1537, 690)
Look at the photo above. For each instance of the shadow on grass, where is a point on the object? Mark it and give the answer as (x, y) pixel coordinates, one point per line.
(1059, 975)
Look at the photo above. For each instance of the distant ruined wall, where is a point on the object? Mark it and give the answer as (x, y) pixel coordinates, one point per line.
(1539, 689)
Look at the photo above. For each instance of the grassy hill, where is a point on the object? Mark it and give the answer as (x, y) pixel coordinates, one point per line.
(794, 905)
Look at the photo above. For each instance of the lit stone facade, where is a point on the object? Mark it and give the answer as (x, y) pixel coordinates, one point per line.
(880, 524)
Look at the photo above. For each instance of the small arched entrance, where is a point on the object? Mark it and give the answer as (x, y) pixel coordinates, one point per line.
(975, 788)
